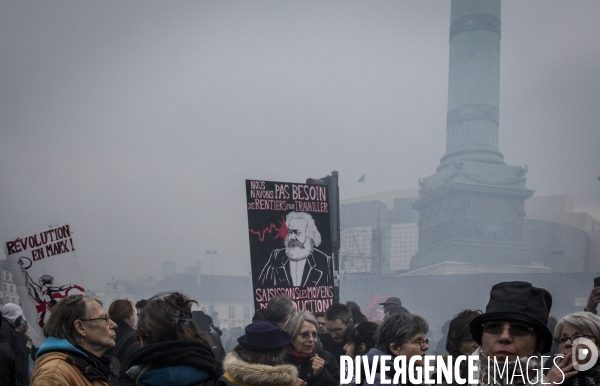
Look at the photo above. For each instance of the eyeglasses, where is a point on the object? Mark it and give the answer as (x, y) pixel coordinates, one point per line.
(513, 329)
(335, 331)
(564, 339)
(306, 335)
(421, 342)
(106, 319)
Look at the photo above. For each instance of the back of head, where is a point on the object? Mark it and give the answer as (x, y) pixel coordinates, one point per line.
(169, 318)
(459, 330)
(357, 315)
(140, 304)
(202, 320)
(339, 311)
(263, 343)
(120, 309)
(398, 329)
(361, 333)
(279, 308)
(61, 323)
(11, 312)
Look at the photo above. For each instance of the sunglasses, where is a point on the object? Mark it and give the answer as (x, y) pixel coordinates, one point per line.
(494, 328)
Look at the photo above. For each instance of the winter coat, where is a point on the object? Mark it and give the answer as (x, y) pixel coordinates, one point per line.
(18, 346)
(175, 363)
(589, 377)
(59, 363)
(8, 372)
(328, 377)
(242, 373)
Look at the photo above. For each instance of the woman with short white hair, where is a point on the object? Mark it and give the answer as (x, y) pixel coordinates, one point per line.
(570, 328)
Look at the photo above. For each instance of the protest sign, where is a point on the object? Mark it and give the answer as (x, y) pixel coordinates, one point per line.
(45, 269)
(290, 243)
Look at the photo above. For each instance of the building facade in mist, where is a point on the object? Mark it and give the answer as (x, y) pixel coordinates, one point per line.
(8, 288)
(379, 237)
(227, 298)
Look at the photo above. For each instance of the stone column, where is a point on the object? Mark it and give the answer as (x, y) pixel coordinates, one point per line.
(474, 83)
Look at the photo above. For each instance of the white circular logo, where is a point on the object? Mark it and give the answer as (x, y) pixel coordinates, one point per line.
(579, 353)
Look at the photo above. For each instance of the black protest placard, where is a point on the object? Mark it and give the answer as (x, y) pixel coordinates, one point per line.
(290, 243)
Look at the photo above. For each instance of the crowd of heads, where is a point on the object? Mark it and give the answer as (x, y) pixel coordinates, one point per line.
(515, 324)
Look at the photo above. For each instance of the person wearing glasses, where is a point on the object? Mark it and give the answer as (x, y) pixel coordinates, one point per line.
(315, 365)
(570, 328)
(513, 332)
(399, 335)
(77, 333)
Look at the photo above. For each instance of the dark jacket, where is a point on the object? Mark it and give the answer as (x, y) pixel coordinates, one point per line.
(175, 363)
(125, 337)
(328, 377)
(8, 372)
(18, 346)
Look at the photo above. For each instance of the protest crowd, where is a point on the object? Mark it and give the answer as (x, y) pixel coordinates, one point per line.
(173, 345)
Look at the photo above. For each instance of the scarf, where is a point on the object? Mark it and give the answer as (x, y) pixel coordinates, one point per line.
(524, 373)
(91, 366)
(178, 353)
(299, 356)
(589, 377)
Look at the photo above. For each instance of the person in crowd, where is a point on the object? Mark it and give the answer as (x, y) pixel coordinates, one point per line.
(139, 306)
(121, 312)
(315, 365)
(77, 333)
(393, 310)
(357, 315)
(459, 340)
(568, 329)
(321, 321)
(593, 300)
(8, 369)
(260, 358)
(173, 350)
(359, 340)
(14, 330)
(393, 301)
(513, 331)
(399, 335)
(440, 348)
(280, 308)
(205, 324)
(338, 318)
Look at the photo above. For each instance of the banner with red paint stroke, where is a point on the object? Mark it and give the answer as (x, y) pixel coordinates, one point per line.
(374, 312)
(290, 243)
(45, 269)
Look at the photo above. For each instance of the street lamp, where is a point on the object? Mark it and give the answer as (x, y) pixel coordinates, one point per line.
(211, 252)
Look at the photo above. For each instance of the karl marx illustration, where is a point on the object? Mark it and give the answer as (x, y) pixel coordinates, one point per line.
(300, 263)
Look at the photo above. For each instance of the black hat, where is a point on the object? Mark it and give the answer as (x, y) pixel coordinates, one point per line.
(264, 336)
(518, 301)
(392, 301)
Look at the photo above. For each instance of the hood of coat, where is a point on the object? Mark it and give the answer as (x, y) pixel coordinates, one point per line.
(255, 374)
(57, 344)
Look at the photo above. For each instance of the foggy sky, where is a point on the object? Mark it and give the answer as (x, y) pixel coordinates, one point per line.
(138, 122)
